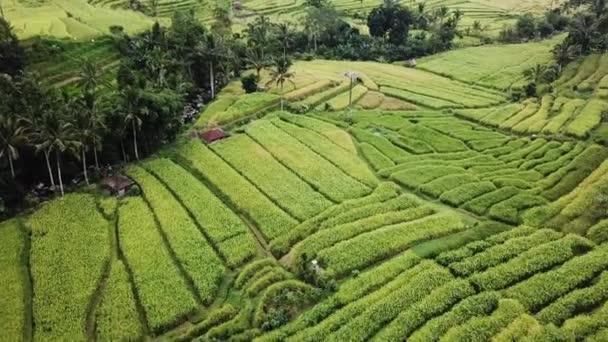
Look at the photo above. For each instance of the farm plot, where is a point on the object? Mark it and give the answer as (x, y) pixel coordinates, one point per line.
(68, 254)
(422, 88)
(244, 195)
(162, 290)
(473, 167)
(192, 250)
(225, 230)
(497, 66)
(308, 165)
(407, 298)
(13, 281)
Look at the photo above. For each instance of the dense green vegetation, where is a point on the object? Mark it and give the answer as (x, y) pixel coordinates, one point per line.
(459, 197)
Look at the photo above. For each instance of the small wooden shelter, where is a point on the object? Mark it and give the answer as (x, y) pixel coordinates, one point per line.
(117, 184)
(213, 134)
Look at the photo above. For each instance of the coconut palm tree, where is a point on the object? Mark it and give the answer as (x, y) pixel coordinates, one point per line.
(281, 74)
(12, 135)
(583, 31)
(565, 53)
(255, 58)
(536, 74)
(212, 50)
(284, 34)
(134, 112)
(90, 77)
(55, 135)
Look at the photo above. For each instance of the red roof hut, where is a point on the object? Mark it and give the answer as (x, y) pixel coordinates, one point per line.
(214, 134)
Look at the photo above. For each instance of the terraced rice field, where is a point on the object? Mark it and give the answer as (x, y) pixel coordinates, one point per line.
(436, 209)
(431, 227)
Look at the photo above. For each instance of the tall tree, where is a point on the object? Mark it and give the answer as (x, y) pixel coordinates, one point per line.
(12, 56)
(133, 112)
(256, 59)
(285, 36)
(280, 74)
(12, 135)
(55, 135)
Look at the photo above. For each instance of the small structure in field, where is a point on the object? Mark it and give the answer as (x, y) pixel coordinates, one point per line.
(118, 185)
(213, 134)
(411, 63)
(237, 6)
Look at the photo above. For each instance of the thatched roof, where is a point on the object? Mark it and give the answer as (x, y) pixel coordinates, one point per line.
(117, 182)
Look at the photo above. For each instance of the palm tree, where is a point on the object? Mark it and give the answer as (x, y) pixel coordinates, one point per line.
(90, 77)
(12, 134)
(284, 35)
(256, 59)
(583, 31)
(210, 51)
(536, 74)
(134, 113)
(565, 53)
(55, 135)
(86, 130)
(281, 74)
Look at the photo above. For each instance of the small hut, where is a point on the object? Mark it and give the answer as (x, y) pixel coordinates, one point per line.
(118, 184)
(411, 63)
(213, 134)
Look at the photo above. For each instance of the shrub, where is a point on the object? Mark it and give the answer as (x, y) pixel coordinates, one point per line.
(285, 298)
(249, 83)
(191, 249)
